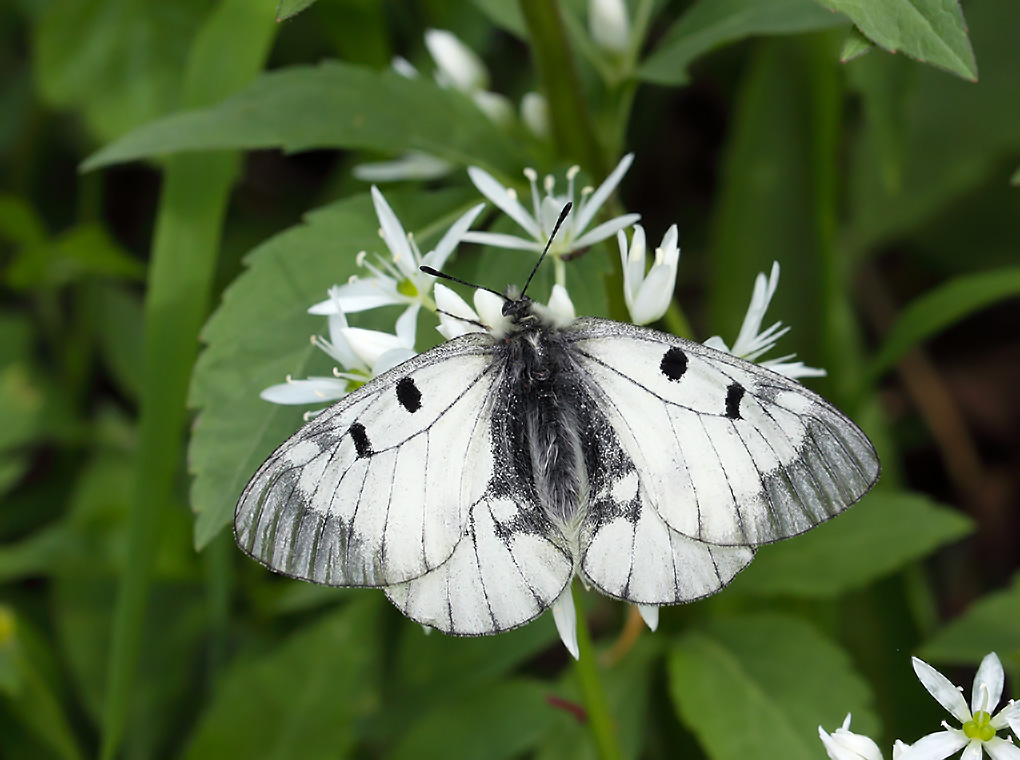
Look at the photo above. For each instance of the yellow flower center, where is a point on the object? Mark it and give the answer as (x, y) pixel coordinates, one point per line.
(979, 727)
(407, 288)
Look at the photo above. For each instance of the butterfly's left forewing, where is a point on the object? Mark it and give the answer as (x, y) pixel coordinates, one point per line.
(729, 453)
(375, 490)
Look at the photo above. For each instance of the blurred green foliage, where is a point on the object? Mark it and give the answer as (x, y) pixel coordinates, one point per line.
(131, 627)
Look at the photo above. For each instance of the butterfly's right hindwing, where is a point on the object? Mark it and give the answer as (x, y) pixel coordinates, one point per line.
(376, 490)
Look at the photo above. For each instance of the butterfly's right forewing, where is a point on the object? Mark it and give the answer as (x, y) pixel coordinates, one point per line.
(376, 490)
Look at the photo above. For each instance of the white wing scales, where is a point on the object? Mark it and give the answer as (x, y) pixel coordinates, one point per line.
(371, 493)
(729, 453)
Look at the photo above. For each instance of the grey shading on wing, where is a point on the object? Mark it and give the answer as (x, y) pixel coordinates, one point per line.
(730, 453)
(376, 490)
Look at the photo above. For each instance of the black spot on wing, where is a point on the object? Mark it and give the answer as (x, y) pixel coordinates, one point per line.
(408, 395)
(733, 396)
(361, 443)
(673, 364)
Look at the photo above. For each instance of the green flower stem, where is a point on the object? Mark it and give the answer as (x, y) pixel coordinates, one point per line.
(599, 719)
(571, 123)
(229, 51)
(676, 322)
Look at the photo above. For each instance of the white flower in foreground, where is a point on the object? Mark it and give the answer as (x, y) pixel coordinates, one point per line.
(648, 296)
(844, 744)
(396, 280)
(362, 355)
(979, 728)
(546, 210)
(609, 25)
(457, 318)
(752, 341)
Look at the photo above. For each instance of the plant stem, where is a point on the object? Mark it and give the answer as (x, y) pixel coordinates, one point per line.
(599, 720)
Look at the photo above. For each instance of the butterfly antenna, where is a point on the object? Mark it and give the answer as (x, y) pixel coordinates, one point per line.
(451, 278)
(556, 228)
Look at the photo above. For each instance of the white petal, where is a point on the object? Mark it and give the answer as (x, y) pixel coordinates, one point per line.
(1000, 749)
(843, 744)
(490, 309)
(503, 200)
(972, 750)
(392, 229)
(717, 343)
(535, 114)
(990, 674)
(602, 194)
(655, 295)
(501, 240)
(609, 24)
(899, 748)
(1008, 716)
(451, 307)
(791, 369)
(761, 296)
(458, 63)
(391, 359)
(313, 390)
(369, 345)
(937, 746)
(566, 621)
(940, 687)
(497, 107)
(561, 305)
(404, 67)
(604, 230)
(650, 614)
(633, 259)
(420, 166)
(668, 252)
(407, 325)
(437, 257)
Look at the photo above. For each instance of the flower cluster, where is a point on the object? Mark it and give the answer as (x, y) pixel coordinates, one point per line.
(977, 735)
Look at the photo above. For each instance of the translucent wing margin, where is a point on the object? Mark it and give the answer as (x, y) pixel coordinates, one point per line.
(377, 489)
(728, 452)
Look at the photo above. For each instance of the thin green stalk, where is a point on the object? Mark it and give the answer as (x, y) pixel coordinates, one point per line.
(595, 703)
(676, 322)
(571, 123)
(229, 51)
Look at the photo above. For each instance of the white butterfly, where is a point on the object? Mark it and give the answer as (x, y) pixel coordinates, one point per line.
(473, 482)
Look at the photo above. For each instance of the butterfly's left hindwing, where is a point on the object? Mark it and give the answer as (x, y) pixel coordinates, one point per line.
(728, 452)
(376, 490)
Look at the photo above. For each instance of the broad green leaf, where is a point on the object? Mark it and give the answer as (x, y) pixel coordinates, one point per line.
(711, 24)
(306, 698)
(85, 251)
(288, 8)
(942, 307)
(885, 532)
(505, 15)
(952, 135)
(988, 625)
(855, 45)
(22, 406)
(760, 686)
(334, 105)
(119, 61)
(19, 222)
(120, 337)
(500, 721)
(260, 334)
(932, 31)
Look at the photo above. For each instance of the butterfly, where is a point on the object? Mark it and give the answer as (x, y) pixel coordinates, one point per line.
(473, 482)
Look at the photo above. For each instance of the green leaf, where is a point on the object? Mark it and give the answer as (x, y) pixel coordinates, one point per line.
(335, 105)
(760, 686)
(501, 721)
(1015, 179)
(711, 24)
(260, 334)
(944, 306)
(932, 31)
(882, 534)
(119, 61)
(19, 222)
(306, 698)
(121, 337)
(855, 45)
(289, 8)
(85, 251)
(988, 625)
(505, 15)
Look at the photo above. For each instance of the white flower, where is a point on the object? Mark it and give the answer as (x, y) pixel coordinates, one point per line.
(844, 744)
(362, 354)
(457, 65)
(535, 114)
(648, 296)
(396, 280)
(650, 614)
(752, 342)
(979, 725)
(546, 211)
(609, 24)
(456, 318)
(411, 165)
(565, 616)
